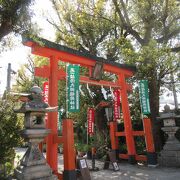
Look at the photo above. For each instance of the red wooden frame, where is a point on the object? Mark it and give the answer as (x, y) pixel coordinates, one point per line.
(147, 133)
(57, 53)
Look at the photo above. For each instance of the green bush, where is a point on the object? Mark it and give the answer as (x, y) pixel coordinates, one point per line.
(82, 147)
(10, 127)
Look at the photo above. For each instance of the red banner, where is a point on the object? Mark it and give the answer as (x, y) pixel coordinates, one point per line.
(116, 104)
(46, 92)
(90, 118)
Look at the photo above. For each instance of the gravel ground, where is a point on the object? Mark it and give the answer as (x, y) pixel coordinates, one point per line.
(136, 172)
(126, 171)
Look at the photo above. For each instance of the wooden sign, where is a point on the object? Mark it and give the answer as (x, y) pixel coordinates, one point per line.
(111, 158)
(84, 173)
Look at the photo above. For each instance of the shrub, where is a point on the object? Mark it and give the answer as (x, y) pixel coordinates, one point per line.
(10, 127)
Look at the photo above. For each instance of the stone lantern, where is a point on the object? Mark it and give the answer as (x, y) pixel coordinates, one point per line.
(170, 155)
(33, 164)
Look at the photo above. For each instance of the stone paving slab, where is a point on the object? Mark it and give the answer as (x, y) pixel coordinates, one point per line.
(126, 172)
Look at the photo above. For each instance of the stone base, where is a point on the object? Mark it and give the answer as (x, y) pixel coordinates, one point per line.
(40, 172)
(69, 175)
(131, 159)
(169, 158)
(152, 159)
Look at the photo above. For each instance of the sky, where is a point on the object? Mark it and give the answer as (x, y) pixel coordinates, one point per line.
(18, 55)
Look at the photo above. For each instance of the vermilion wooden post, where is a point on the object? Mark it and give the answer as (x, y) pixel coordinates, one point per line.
(52, 147)
(114, 139)
(151, 154)
(112, 135)
(113, 129)
(68, 150)
(127, 121)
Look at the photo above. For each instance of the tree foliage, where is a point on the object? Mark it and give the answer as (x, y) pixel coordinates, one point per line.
(154, 26)
(144, 33)
(10, 127)
(80, 25)
(14, 16)
(25, 76)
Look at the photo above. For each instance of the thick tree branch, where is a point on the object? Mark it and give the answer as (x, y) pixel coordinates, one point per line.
(11, 15)
(82, 49)
(127, 26)
(5, 29)
(123, 22)
(165, 12)
(56, 8)
(125, 13)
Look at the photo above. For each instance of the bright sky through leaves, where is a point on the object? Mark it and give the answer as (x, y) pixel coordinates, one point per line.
(18, 55)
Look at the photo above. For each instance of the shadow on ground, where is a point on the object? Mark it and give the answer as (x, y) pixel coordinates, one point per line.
(126, 172)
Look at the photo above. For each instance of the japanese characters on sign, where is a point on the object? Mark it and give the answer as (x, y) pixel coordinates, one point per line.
(73, 88)
(116, 104)
(90, 118)
(46, 91)
(144, 96)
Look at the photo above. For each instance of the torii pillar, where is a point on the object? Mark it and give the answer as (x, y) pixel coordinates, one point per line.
(52, 73)
(52, 146)
(127, 120)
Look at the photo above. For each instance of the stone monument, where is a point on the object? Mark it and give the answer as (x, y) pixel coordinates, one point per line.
(170, 155)
(33, 164)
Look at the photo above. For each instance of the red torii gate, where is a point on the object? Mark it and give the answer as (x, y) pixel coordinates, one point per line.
(57, 53)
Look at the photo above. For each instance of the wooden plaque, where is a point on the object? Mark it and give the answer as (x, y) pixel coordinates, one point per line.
(83, 168)
(111, 158)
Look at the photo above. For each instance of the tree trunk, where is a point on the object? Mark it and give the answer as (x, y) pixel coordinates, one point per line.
(154, 105)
